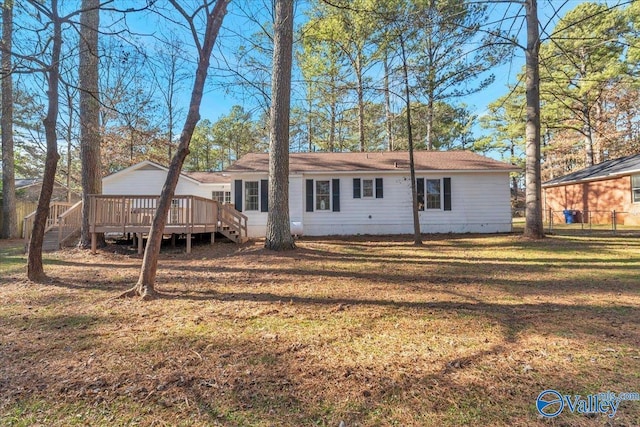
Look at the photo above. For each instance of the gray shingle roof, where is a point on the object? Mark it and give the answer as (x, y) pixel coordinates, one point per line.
(374, 161)
(611, 168)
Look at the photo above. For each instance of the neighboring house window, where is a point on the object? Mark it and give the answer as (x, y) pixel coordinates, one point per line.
(367, 188)
(323, 195)
(251, 199)
(635, 188)
(433, 194)
(221, 196)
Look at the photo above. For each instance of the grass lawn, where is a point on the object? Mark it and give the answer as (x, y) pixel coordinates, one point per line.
(466, 330)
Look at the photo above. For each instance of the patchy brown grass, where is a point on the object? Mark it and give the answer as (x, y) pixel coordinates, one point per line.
(466, 330)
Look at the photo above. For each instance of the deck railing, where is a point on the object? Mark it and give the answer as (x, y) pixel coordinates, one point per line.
(55, 210)
(69, 222)
(138, 211)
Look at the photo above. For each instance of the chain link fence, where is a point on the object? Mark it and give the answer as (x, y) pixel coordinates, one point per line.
(585, 221)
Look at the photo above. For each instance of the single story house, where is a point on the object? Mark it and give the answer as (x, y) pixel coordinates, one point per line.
(28, 190)
(147, 178)
(598, 191)
(370, 193)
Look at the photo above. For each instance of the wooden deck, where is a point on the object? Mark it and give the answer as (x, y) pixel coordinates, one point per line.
(187, 216)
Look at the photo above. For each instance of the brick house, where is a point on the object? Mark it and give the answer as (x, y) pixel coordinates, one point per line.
(598, 191)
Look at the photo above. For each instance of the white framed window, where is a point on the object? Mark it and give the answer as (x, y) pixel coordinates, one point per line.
(251, 196)
(221, 196)
(433, 195)
(323, 195)
(367, 188)
(635, 188)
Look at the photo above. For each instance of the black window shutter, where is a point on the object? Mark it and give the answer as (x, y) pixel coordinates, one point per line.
(420, 191)
(309, 195)
(264, 195)
(335, 184)
(446, 183)
(379, 194)
(356, 188)
(238, 194)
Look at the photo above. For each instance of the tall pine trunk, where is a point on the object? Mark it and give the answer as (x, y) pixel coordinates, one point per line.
(417, 236)
(145, 287)
(360, 78)
(278, 235)
(35, 270)
(10, 219)
(90, 138)
(387, 103)
(533, 182)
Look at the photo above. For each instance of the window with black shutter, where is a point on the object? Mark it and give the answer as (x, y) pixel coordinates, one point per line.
(237, 194)
(446, 184)
(356, 188)
(309, 195)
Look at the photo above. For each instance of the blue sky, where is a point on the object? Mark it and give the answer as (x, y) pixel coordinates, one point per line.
(216, 103)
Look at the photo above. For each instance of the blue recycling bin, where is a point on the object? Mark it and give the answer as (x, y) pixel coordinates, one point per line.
(568, 216)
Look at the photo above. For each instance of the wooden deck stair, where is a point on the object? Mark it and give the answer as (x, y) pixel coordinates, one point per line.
(63, 223)
(50, 241)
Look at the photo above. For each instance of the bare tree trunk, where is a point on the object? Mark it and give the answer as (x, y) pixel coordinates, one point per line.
(278, 236)
(429, 124)
(35, 270)
(533, 186)
(310, 125)
(10, 220)
(587, 131)
(89, 113)
(332, 128)
(387, 102)
(417, 237)
(145, 287)
(360, 101)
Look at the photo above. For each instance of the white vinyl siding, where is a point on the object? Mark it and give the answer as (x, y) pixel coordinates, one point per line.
(149, 182)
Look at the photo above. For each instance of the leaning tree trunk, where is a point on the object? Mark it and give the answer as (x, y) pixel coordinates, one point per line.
(145, 287)
(89, 113)
(10, 220)
(533, 182)
(278, 236)
(35, 270)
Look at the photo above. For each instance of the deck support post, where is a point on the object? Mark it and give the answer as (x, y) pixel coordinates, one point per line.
(188, 243)
(140, 244)
(94, 242)
(173, 240)
(213, 238)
